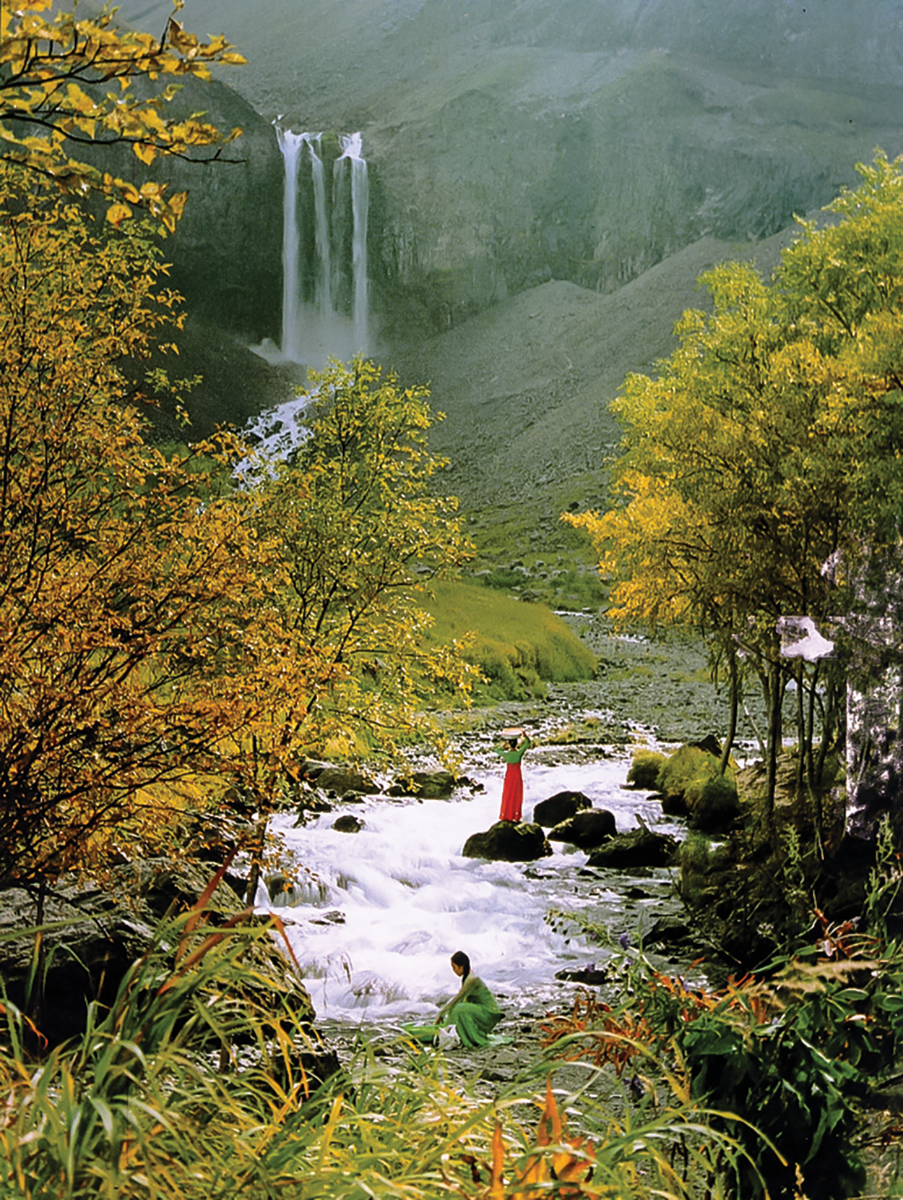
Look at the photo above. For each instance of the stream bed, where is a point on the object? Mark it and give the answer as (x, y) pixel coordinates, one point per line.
(375, 915)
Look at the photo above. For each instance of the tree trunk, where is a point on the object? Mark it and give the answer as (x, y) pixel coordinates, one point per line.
(775, 737)
(799, 675)
(732, 718)
(810, 739)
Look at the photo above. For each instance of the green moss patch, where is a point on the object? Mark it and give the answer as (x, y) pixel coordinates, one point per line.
(518, 647)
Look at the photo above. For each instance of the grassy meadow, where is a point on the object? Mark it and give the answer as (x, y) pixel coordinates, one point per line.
(517, 646)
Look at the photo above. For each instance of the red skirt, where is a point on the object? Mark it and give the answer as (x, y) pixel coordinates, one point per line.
(512, 794)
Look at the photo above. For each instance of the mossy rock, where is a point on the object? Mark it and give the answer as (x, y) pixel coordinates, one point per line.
(645, 767)
(715, 806)
(685, 769)
(692, 785)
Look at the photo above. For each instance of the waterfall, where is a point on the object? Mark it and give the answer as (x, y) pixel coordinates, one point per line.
(321, 225)
(324, 250)
(290, 144)
(360, 202)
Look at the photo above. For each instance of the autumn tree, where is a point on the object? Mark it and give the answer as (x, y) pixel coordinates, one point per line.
(768, 446)
(164, 634)
(121, 629)
(69, 82)
(358, 528)
(362, 530)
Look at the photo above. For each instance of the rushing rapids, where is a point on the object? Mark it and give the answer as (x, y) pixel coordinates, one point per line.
(373, 916)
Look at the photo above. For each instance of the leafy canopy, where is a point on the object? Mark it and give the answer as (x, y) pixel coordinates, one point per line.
(768, 450)
(67, 82)
(122, 630)
(360, 530)
(165, 635)
(771, 439)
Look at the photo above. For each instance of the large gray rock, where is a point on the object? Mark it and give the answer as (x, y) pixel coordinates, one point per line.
(508, 842)
(585, 830)
(341, 779)
(426, 785)
(637, 848)
(560, 807)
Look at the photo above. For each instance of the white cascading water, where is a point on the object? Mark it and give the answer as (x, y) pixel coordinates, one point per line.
(290, 144)
(321, 228)
(376, 914)
(360, 207)
(325, 289)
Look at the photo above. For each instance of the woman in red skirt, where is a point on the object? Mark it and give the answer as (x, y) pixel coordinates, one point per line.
(514, 745)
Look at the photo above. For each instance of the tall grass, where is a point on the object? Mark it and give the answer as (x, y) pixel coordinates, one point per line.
(518, 647)
(193, 1086)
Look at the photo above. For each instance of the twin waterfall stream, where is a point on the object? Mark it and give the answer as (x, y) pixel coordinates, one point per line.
(325, 301)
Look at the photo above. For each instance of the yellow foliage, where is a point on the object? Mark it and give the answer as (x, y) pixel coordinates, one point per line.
(161, 633)
(44, 60)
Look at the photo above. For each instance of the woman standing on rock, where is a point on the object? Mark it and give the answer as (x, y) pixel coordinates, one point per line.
(515, 744)
(474, 1011)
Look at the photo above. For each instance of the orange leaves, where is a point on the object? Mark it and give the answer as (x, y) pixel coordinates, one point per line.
(660, 1007)
(595, 1032)
(123, 578)
(562, 1163)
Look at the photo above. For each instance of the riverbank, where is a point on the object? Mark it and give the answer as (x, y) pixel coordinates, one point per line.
(647, 688)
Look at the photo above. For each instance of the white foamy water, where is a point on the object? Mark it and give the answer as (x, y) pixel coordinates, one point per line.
(382, 910)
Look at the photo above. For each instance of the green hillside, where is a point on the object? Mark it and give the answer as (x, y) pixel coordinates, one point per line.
(519, 647)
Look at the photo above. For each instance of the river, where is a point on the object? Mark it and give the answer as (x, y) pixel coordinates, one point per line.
(376, 914)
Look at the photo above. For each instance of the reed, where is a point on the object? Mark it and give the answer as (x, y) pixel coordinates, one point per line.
(193, 1085)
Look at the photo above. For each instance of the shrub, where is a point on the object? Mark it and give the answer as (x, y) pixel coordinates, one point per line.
(645, 767)
(777, 1065)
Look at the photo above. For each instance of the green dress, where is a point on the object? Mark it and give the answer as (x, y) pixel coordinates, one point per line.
(474, 1014)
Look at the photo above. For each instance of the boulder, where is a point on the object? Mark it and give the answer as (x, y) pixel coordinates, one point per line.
(590, 975)
(716, 807)
(709, 744)
(674, 804)
(348, 823)
(586, 830)
(425, 785)
(560, 807)
(637, 848)
(670, 932)
(312, 768)
(693, 786)
(340, 780)
(508, 842)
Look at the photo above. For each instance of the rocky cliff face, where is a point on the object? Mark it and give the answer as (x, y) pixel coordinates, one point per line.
(514, 143)
(547, 178)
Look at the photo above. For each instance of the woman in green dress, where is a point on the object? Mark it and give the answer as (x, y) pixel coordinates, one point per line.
(474, 1011)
